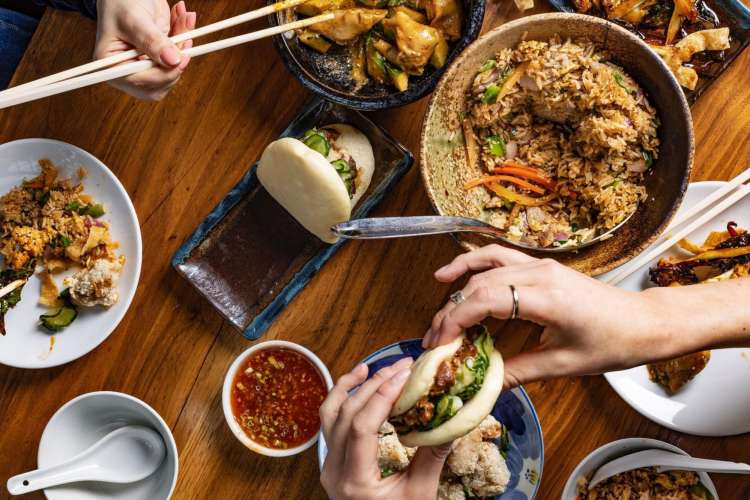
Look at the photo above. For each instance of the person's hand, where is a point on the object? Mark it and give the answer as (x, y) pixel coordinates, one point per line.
(145, 25)
(350, 426)
(589, 327)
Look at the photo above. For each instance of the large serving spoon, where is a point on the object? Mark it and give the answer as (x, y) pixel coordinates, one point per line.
(126, 455)
(664, 460)
(401, 227)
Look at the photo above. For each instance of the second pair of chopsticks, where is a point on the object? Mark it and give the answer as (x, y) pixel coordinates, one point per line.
(738, 190)
(89, 74)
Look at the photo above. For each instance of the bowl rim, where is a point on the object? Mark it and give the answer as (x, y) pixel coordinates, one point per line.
(164, 429)
(550, 17)
(226, 393)
(638, 443)
(393, 99)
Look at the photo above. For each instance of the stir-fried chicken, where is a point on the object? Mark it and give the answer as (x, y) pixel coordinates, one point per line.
(415, 41)
(348, 24)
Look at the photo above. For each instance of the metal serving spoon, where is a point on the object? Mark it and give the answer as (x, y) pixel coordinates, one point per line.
(126, 455)
(401, 227)
(664, 460)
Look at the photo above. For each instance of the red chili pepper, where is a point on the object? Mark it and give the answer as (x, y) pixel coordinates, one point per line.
(730, 229)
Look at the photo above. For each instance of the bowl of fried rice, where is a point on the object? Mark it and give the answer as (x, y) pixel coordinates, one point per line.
(566, 132)
(645, 482)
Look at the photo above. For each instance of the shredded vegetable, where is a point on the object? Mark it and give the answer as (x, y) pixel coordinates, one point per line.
(521, 199)
(507, 178)
(526, 173)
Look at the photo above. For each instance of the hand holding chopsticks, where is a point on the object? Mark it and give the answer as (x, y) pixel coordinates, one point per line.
(89, 74)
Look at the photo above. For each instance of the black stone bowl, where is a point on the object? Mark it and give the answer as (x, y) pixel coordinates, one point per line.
(329, 75)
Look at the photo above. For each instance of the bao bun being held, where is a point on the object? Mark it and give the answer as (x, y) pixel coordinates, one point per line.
(320, 178)
(451, 389)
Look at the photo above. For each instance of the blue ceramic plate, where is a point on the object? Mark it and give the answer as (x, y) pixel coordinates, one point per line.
(249, 258)
(731, 13)
(513, 409)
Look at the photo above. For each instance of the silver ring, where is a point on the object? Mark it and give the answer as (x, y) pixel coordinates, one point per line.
(458, 297)
(516, 307)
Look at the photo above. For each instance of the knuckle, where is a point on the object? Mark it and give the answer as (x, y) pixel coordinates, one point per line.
(483, 294)
(347, 409)
(360, 427)
(476, 280)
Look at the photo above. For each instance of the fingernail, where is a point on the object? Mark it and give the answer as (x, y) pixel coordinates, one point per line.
(441, 270)
(171, 56)
(403, 362)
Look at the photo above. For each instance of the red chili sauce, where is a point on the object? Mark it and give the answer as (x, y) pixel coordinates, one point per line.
(276, 396)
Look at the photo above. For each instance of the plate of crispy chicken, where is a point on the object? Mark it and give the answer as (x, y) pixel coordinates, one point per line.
(703, 393)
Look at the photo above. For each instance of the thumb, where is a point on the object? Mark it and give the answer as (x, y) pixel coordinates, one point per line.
(425, 468)
(147, 37)
(536, 365)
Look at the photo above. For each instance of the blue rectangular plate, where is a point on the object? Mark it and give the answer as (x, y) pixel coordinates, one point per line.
(731, 13)
(250, 258)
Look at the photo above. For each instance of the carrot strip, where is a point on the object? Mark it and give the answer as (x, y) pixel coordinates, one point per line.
(527, 173)
(508, 178)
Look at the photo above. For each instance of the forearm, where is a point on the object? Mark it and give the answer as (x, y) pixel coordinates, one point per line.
(86, 7)
(699, 317)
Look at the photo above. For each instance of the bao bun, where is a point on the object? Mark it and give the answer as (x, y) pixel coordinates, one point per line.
(305, 183)
(423, 374)
(358, 145)
(468, 417)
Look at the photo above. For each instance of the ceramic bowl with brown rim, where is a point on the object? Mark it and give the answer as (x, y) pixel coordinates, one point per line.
(443, 154)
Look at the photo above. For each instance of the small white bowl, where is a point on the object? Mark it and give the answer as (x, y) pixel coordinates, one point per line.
(227, 397)
(81, 422)
(617, 449)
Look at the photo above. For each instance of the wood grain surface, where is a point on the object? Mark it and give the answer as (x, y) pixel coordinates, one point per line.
(177, 159)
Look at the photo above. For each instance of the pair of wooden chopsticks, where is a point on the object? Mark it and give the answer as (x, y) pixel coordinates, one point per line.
(89, 74)
(738, 190)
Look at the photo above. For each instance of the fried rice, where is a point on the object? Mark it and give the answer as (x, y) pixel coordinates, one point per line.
(574, 130)
(646, 483)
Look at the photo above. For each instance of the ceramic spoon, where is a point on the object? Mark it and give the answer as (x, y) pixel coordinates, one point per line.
(664, 460)
(127, 455)
(400, 227)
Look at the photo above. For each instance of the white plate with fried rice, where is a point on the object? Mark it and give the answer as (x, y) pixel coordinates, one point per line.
(717, 401)
(26, 343)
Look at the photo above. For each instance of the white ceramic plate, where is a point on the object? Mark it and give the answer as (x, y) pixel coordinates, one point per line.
(717, 401)
(83, 421)
(26, 344)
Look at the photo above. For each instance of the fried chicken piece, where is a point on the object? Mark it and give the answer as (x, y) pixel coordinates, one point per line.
(490, 428)
(386, 428)
(391, 453)
(465, 453)
(491, 475)
(97, 285)
(450, 491)
(675, 373)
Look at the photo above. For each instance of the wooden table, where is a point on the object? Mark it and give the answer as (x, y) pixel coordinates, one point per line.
(177, 159)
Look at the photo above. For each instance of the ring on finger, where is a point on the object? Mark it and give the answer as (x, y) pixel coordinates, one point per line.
(458, 297)
(516, 302)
